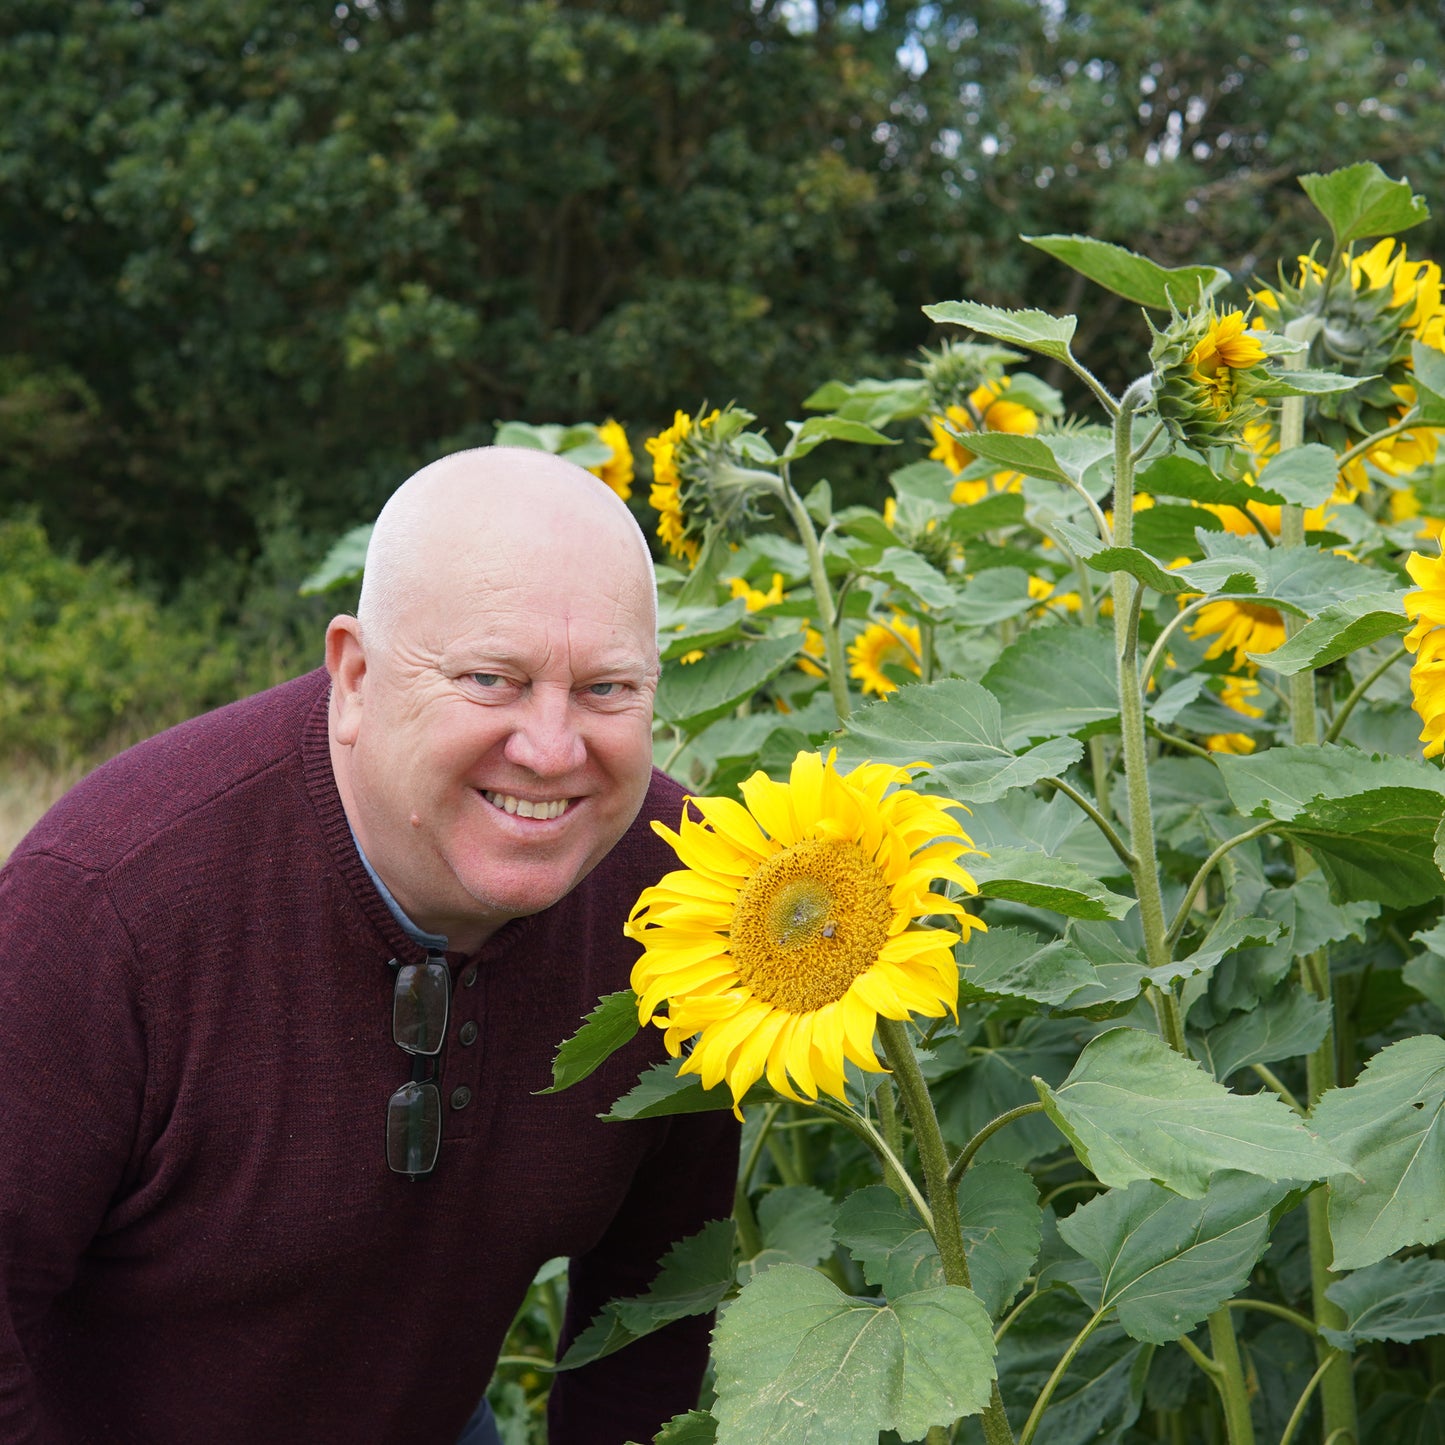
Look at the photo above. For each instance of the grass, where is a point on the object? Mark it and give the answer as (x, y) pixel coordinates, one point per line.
(26, 791)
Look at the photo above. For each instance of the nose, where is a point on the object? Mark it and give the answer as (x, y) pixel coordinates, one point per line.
(546, 739)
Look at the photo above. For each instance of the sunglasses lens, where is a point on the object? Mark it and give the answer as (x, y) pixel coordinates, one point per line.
(419, 1007)
(414, 1128)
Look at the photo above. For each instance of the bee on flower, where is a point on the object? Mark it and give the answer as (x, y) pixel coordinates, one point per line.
(796, 921)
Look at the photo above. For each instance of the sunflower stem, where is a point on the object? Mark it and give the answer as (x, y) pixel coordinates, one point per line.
(1337, 1388)
(1128, 597)
(823, 595)
(942, 1199)
(891, 1127)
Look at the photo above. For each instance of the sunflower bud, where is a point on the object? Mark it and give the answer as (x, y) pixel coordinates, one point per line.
(958, 368)
(1369, 315)
(1207, 370)
(698, 479)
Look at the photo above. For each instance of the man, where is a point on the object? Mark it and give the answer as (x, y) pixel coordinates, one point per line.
(232, 1208)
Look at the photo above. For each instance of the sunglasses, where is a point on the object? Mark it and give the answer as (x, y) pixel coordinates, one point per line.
(420, 1006)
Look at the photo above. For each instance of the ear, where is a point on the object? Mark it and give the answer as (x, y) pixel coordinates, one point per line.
(346, 662)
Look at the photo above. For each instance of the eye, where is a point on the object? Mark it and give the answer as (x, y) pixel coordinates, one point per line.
(605, 689)
(487, 679)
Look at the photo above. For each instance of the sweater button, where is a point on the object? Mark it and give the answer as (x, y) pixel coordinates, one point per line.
(461, 1097)
(469, 977)
(467, 1034)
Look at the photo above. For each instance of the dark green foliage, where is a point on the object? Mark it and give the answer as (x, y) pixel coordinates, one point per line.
(251, 249)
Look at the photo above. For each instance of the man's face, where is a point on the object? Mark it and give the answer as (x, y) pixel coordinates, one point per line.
(500, 740)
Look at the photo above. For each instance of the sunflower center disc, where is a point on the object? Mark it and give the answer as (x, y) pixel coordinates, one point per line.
(807, 923)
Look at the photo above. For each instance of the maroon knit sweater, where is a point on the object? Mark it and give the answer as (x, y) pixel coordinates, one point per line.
(199, 1237)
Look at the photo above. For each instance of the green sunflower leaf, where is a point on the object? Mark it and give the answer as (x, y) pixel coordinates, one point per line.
(1133, 560)
(692, 695)
(889, 1241)
(1290, 1023)
(1132, 276)
(991, 596)
(1011, 963)
(694, 1277)
(1135, 1109)
(1167, 1262)
(1037, 330)
(684, 629)
(819, 429)
(901, 568)
(1308, 383)
(1361, 200)
(345, 561)
(1398, 1299)
(1062, 458)
(696, 1427)
(998, 1207)
(1303, 476)
(1337, 631)
(1024, 875)
(988, 514)
(1389, 1129)
(662, 1090)
(956, 726)
(796, 1221)
(1369, 822)
(873, 401)
(799, 1361)
(1056, 682)
(610, 1025)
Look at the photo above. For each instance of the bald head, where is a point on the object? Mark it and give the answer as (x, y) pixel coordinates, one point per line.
(492, 501)
(491, 704)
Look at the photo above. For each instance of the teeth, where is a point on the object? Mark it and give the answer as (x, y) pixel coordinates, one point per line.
(523, 808)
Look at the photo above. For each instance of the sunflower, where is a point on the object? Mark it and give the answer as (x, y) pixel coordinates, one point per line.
(1046, 592)
(1236, 692)
(1426, 606)
(1405, 507)
(897, 643)
(1427, 691)
(1207, 370)
(755, 600)
(678, 532)
(987, 410)
(616, 471)
(1244, 626)
(796, 922)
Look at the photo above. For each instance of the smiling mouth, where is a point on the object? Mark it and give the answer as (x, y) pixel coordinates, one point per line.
(525, 808)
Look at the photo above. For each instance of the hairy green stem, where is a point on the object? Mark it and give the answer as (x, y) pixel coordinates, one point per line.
(823, 596)
(891, 1127)
(1031, 1425)
(1232, 1391)
(1337, 1388)
(1205, 869)
(1283, 1312)
(1298, 1413)
(1121, 849)
(1128, 595)
(933, 1156)
(955, 1173)
(1348, 706)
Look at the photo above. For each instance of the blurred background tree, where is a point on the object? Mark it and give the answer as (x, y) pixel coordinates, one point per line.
(259, 259)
